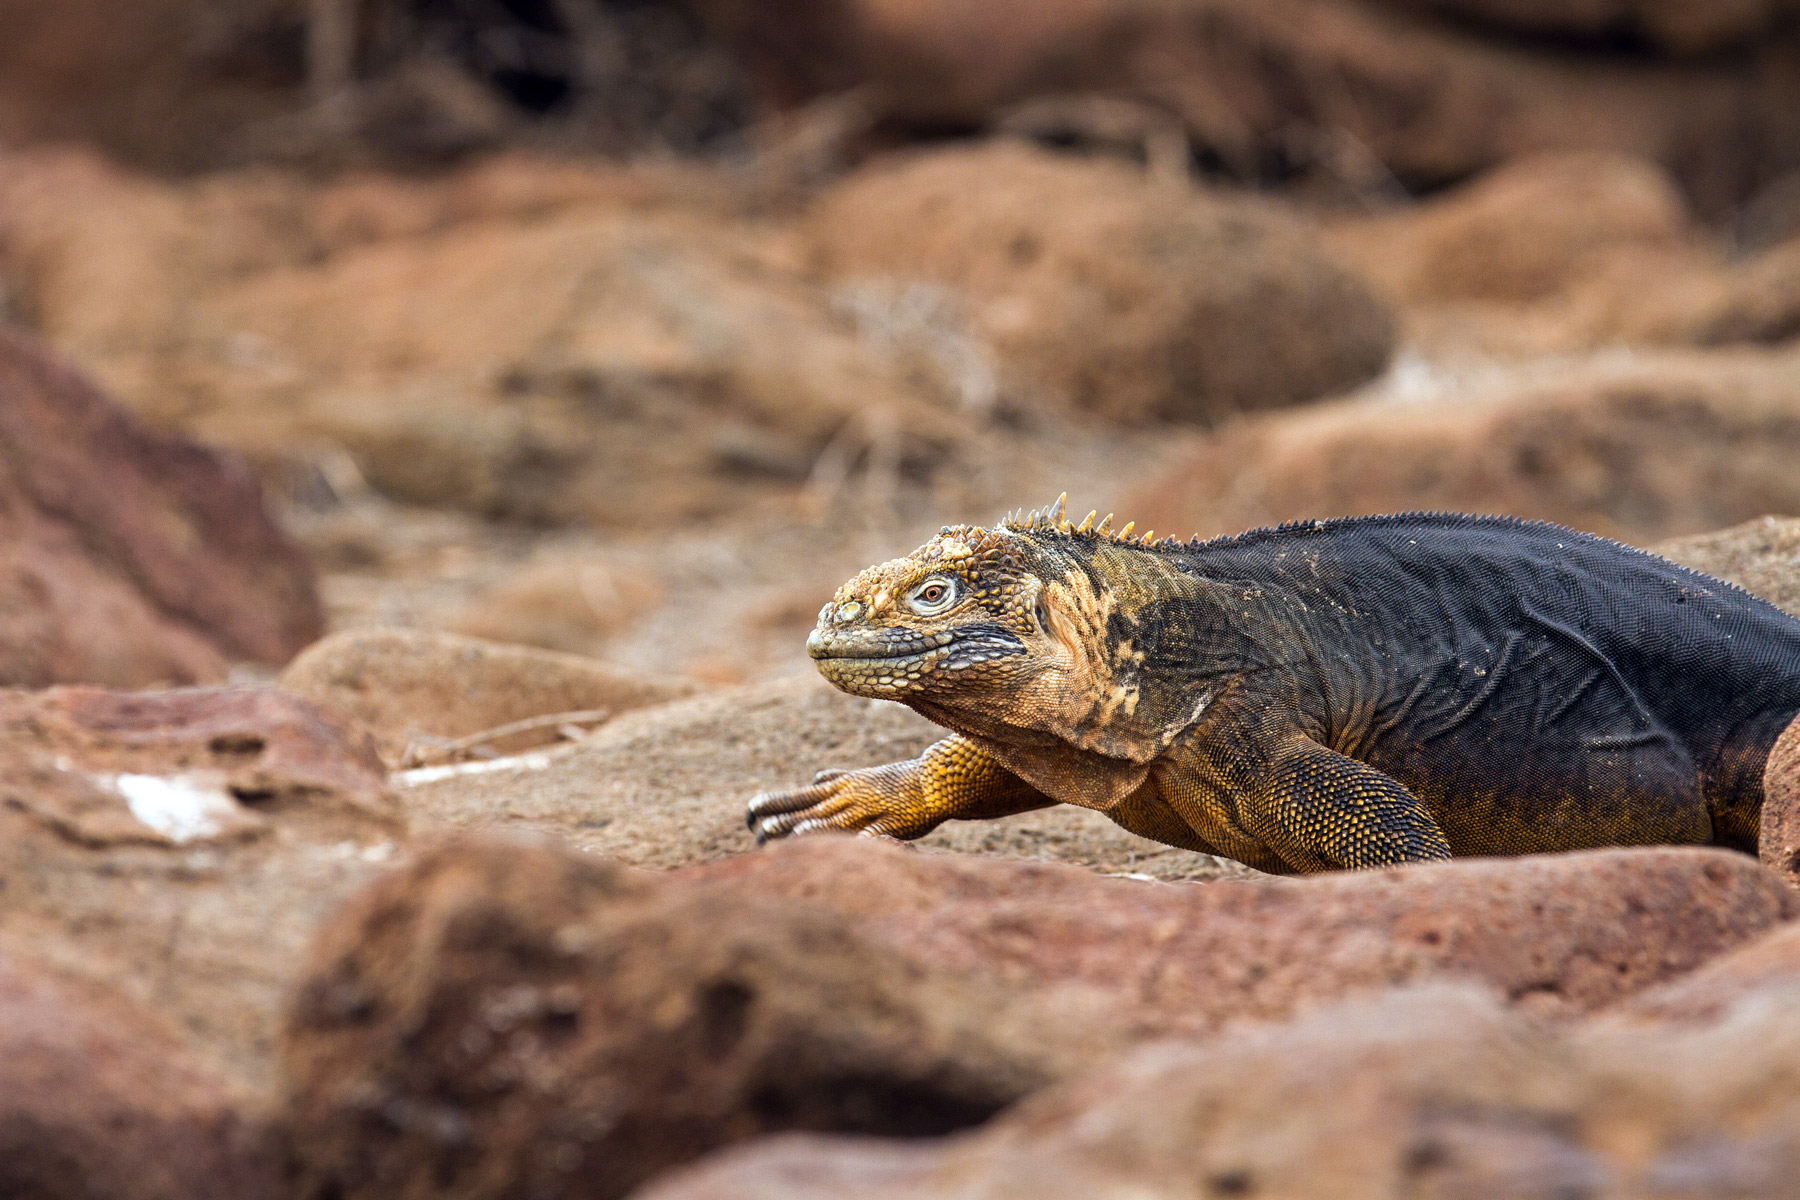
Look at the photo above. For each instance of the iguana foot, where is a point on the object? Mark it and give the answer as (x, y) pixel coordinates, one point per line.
(849, 801)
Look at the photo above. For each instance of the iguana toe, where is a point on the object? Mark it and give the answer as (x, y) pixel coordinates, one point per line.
(844, 800)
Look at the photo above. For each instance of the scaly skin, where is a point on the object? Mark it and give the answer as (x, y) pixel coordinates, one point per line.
(1326, 695)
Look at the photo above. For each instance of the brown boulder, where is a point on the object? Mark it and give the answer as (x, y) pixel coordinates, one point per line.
(99, 1101)
(1430, 1092)
(120, 269)
(1105, 290)
(180, 846)
(499, 1020)
(266, 749)
(591, 366)
(130, 557)
(1641, 448)
(1756, 300)
(419, 689)
(1568, 253)
(1778, 840)
(1525, 231)
(516, 339)
(1762, 556)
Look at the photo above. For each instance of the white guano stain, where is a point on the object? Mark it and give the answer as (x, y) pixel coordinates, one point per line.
(180, 809)
(420, 775)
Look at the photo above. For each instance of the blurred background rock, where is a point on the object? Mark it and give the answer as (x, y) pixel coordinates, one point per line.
(629, 327)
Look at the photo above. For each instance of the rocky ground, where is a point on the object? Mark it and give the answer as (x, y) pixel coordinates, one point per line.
(415, 493)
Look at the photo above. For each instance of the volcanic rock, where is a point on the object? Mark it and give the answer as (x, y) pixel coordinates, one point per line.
(418, 688)
(1426, 1092)
(1778, 842)
(1642, 448)
(560, 602)
(1108, 291)
(99, 1100)
(501, 1019)
(130, 557)
(1564, 933)
(1767, 968)
(1525, 231)
(180, 846)
(593, 365)
(1755, 300)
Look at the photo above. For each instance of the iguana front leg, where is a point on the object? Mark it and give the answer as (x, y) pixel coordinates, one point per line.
(952, 780)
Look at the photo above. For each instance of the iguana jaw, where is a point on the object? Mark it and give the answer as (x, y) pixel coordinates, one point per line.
(895, 663)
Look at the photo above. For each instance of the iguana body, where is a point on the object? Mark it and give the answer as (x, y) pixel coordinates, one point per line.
(1343, 693)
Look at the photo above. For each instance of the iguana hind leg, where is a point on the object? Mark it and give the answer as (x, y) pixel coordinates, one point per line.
(952, 780)
(1292, 804)
(1320, 810)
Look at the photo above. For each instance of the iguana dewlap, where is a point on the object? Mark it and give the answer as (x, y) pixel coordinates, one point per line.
(1344, 693)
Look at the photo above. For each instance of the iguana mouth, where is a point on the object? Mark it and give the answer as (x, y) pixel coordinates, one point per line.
(891, 645)
(949, 649)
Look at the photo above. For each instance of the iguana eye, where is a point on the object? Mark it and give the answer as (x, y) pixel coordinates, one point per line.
(932, 596)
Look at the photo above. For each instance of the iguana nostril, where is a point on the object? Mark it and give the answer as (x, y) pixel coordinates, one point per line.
(847, 613)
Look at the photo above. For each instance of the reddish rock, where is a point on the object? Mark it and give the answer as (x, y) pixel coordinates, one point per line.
(1779, 838)
(1106, 290)
(266, 749)
(1433, 1092)
(1559, 933)
(180, 847)
(99, 1101)
(130, 557)
(501, 1020)
(1569, 253)
(1767, 967)
(481, 372)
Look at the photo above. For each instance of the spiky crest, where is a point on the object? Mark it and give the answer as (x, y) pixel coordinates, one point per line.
(1054, 518)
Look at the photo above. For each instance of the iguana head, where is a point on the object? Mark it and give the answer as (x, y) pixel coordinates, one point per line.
(1032, 625)
(961, 614)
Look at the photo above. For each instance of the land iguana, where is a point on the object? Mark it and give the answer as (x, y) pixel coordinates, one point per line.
(1331, 694)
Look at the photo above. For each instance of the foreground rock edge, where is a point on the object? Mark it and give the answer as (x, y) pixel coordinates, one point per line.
(498, 1018)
